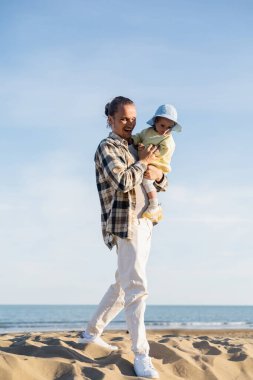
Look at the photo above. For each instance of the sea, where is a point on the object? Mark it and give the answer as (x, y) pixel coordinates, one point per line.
(31, 318)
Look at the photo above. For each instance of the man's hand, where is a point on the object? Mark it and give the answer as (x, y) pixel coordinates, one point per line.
(153, 173)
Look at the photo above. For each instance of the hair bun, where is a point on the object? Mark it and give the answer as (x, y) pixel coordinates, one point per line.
(107, 107)
(112, 107)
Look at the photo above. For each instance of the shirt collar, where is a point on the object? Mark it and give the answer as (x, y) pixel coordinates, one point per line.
(118, 139)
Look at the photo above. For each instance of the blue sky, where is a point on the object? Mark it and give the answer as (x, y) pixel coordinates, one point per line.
(60, 63)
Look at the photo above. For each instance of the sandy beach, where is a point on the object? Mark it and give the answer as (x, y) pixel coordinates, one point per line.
(177, 354)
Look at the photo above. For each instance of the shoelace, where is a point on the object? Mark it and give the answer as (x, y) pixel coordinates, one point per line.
(147, 361)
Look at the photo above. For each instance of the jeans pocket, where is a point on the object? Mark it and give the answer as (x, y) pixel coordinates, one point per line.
(149, 226)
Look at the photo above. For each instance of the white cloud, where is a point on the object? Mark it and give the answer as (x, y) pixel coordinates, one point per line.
(52, 249)
(50, 232)
(51, 241)
(204, 240)
(57, 86)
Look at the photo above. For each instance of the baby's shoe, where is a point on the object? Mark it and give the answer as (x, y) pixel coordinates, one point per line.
(153, 213)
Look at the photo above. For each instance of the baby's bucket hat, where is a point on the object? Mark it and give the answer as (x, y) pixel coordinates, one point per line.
(169, 112)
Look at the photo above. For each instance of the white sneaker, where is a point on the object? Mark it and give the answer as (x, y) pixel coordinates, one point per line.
(144, 368)
(86, 338)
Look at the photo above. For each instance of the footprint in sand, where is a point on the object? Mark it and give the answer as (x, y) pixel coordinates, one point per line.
(224, 342)
(238, 355)
(117, 339)
(205, 348)
(93, 373)
(166, 340)
(160, 351)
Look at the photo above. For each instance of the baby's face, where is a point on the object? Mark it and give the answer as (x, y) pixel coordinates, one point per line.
(163, 126)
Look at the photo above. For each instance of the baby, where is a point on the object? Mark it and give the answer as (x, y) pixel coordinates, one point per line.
(162, 124)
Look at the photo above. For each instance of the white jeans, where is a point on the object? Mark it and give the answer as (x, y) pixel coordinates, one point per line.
(130, 289)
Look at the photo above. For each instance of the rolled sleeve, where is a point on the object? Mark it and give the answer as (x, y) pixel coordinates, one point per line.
(116, 170)
(163, 185)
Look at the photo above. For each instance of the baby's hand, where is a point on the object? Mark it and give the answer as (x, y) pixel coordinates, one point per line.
(146, 155)
(157, 153)
(141, 146)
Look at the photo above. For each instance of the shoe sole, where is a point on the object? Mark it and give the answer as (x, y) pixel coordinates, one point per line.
(84, 341)
(147, 377)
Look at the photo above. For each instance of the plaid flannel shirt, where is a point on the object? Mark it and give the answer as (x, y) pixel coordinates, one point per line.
(117, 174)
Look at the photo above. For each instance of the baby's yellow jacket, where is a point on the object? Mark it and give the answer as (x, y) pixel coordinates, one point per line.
(166, 147)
